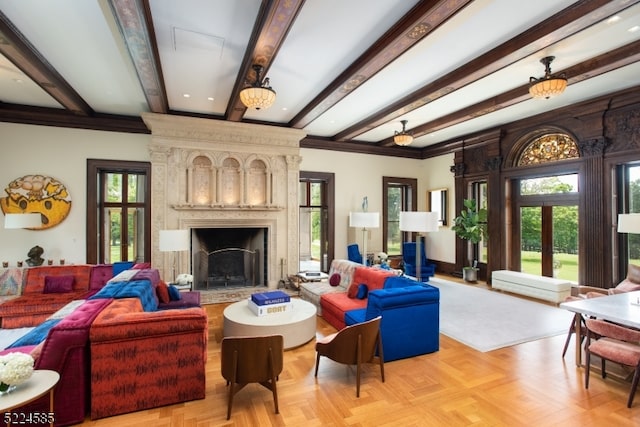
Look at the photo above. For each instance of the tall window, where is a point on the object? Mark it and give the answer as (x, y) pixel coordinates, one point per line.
(317, 223)
(546, 210)
(399, 194)
(479, 194)
(629, 202)
(118, 211)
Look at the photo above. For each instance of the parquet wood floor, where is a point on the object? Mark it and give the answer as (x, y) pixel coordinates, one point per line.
(525, 385)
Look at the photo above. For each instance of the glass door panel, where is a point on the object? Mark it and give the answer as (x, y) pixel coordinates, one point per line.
(565, 242)
(531, 240)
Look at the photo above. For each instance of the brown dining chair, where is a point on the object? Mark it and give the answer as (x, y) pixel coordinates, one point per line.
(614, 343)
(247, 360)
(353, 345)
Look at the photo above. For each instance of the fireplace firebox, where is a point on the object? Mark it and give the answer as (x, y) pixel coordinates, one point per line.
(229, 257)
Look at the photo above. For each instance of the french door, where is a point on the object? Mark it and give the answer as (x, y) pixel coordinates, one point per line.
(316, 223)
(546, 226)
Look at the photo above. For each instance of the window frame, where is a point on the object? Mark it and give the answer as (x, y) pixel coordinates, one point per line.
(409, 203)
(95, 204)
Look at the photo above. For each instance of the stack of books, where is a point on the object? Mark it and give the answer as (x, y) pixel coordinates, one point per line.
(270, 303)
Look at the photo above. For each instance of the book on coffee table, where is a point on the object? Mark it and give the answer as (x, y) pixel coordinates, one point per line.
(271, 297)
(263, 310)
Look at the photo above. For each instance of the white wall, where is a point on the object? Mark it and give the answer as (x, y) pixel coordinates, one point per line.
(359, 175)
(62, 154)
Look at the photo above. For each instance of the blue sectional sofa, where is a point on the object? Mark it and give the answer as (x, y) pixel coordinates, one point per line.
(410, 317)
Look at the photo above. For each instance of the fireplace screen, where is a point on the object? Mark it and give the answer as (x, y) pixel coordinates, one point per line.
(229, 257)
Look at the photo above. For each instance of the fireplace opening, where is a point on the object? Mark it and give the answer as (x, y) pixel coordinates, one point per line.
(229, 257)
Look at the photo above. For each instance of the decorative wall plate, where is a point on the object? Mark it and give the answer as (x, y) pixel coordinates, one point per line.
(37, 194)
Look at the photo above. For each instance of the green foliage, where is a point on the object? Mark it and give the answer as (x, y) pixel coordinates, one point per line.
(471, 224)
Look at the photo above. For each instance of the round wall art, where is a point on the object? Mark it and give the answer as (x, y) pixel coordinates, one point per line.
(37, 194)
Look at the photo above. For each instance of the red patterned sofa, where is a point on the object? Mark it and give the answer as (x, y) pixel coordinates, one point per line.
(66, 351)
(142, 360)
(34, 306)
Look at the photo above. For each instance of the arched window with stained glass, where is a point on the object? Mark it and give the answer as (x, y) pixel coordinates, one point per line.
(551, 147)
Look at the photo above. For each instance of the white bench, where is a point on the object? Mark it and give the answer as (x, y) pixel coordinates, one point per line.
(540, 287)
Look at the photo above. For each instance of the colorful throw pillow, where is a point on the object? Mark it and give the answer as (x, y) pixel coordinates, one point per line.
(141, 266)
(352, 291)
(334, 280)
(163, 292)
(174, 293)
(362, 291)
(58, 284)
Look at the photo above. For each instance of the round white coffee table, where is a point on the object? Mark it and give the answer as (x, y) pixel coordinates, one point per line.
(42, 381)
(297, 326)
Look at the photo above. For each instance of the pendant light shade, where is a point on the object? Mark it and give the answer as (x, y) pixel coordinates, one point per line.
(547, 86)
(403, 138)
(258, 95)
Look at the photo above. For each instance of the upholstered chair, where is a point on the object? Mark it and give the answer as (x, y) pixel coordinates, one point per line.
(614, 343)
(353, 345)
(629, 284)
(247, 360)
(353, 253)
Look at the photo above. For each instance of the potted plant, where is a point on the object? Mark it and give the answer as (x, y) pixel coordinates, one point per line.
(471, 225)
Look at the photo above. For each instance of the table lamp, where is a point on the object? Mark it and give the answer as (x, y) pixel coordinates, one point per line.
(22, 220)
(419, 222)
(629, 223)
(365, 220)
(174, 241)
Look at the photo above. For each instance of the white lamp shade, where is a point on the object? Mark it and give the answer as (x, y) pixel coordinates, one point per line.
(364, 219)
(174, 240)
(22, 220)
(419, 222)
(629, 223)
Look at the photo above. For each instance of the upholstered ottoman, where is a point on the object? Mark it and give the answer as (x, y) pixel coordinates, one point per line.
(541, 287)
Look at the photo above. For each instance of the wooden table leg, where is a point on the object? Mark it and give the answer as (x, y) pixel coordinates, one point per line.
(51, 414)
(578, 337)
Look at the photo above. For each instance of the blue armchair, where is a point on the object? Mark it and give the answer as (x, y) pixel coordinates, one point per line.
(427, 269)
(353, 253)
(410, 323)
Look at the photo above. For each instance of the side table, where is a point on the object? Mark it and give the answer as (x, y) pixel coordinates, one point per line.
(42, 381)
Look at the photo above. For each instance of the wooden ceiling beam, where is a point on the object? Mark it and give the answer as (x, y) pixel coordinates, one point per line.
(414, 26)
(269, 32)
(565, 23)
(591, 68)
(26, 57)
(42, 116)
(136, 26)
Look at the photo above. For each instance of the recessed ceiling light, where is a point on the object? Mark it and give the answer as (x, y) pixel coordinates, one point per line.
(18, 80)
(284, 108)
(613, 19)
(186, 95)
(210, 98)
(634, 28)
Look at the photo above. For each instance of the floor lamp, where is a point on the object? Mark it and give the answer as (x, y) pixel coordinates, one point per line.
(364, 220)
(419, 222)
(174, 241)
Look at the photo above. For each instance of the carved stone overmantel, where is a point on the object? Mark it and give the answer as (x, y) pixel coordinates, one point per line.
(219, 174)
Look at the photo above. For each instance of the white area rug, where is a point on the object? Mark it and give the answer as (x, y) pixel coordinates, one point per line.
(487, 320)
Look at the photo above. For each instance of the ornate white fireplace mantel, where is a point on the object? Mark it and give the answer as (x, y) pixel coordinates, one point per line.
(212, 173)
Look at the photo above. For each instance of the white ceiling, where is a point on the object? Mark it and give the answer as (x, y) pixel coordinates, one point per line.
(205, 49)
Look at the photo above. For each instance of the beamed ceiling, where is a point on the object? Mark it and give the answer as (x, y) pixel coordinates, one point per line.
(345, 72)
